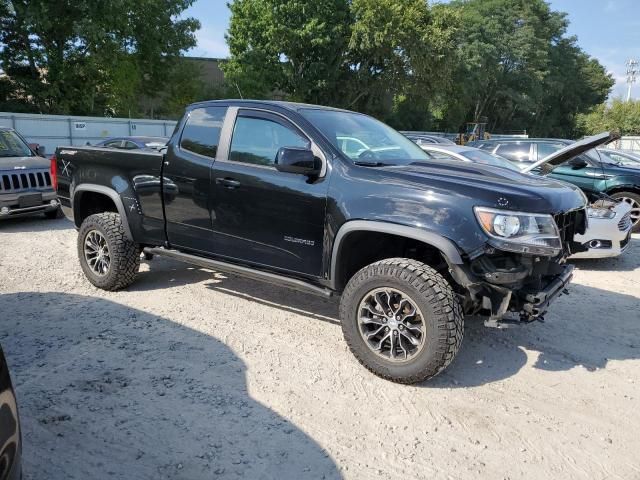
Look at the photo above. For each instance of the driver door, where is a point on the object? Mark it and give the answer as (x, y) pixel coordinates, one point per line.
(260, 215)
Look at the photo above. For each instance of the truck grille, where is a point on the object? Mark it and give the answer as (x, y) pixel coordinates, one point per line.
(571, 223)
(625, 222)
(24, 180)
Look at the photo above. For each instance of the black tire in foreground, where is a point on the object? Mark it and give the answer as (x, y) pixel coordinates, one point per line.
(402, 320)
(108, 258)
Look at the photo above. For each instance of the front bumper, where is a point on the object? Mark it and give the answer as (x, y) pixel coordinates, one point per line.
(606, 237)
(537, 304)
(11, 205)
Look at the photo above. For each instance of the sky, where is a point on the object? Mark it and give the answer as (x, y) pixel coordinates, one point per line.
(608, 30)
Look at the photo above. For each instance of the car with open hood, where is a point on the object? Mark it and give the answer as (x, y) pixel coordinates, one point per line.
(609, 228)
(332, 203)
(590, 171)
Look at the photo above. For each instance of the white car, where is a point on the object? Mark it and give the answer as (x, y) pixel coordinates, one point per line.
(609, 230)
(609, 227)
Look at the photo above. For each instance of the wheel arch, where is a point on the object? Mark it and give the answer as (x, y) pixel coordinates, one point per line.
(632, 188)
(107, 200)
(339, 271)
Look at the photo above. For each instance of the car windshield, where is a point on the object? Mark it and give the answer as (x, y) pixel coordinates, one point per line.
(364, 139)
(480, 156)
(618, 158)
(11, 145)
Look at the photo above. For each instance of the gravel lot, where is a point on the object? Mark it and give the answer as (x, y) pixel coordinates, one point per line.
(190, 374)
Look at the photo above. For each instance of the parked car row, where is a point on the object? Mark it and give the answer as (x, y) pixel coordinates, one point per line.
(610, 223)
(596, 171)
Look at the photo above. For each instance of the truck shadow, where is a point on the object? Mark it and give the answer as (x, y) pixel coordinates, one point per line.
(106, 391)
(34, 223)
(585, 329)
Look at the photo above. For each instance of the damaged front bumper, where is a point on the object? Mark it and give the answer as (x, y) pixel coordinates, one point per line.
(537, 304)
(504, 286)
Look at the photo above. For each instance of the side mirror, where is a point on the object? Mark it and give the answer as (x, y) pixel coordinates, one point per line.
(577, 163)
(41, 150)
(298, 160)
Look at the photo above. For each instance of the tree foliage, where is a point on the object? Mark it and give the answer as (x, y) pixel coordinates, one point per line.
(89, 57)
(623, 117)
(519, 69)
(417, 65)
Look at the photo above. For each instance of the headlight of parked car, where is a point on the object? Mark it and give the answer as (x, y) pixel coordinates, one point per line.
(600, 213)
(519, 231)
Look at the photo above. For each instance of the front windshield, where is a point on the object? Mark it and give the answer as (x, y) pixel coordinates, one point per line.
(618, 158)
(364, 139)
(486, 158)
(11, 145)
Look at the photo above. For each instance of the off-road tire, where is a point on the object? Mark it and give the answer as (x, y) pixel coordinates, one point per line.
(54, 214)
(434, 297)
(636, 198)
(124, 254)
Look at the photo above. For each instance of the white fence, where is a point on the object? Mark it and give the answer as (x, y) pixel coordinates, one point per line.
(626, 143)
(55, 130)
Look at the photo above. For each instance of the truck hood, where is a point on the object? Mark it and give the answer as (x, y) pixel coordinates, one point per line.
(23, 163)
(550, 162)
(493, 186)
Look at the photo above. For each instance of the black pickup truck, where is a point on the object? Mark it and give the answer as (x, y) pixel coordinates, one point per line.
(329, 201)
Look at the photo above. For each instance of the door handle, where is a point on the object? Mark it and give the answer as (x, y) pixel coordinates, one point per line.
(228, 182)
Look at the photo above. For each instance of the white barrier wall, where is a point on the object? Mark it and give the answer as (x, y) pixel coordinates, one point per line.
(55, 130)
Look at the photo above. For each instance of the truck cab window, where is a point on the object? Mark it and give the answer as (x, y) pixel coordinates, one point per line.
(201, 133)
(257, 140)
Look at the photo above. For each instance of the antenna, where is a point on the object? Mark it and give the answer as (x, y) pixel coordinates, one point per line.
(632, 71)
(236, 84)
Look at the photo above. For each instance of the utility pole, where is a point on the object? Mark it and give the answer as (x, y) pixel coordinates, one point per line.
(632, 71)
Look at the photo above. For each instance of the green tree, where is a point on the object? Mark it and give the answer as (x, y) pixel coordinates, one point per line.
(89, 57)
(517, 67)
(375, 56)
(623, 117)
(291, 47)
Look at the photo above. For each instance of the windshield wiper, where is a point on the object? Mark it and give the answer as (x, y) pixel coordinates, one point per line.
(363, 163)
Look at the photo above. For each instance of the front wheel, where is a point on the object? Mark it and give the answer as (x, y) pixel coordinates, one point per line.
(633, 199)
(402, 320)
(108, 258)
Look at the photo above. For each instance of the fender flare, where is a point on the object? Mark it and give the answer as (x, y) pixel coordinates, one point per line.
(446, 246)
(112, 194)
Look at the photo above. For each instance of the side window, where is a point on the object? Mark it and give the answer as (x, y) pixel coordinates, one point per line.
(114, 144)
(516, 152)
(546, 149)
(201, 133)
(130, 145)
(257, 140)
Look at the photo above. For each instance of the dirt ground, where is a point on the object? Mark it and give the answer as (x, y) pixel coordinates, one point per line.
(190, 374)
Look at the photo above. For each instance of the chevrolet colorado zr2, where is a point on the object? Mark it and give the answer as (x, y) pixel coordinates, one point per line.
(331, 202)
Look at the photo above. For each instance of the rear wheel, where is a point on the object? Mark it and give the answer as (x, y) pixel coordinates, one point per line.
(633, 199)
(401, 320)
(108, 258)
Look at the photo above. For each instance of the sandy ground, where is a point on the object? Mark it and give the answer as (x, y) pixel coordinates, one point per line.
(191, 375)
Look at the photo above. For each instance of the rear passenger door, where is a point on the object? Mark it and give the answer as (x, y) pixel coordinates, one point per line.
(186, 179)
(260, 215)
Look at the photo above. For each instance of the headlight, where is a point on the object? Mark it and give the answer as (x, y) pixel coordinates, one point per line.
(600, 213)
(519, 231)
